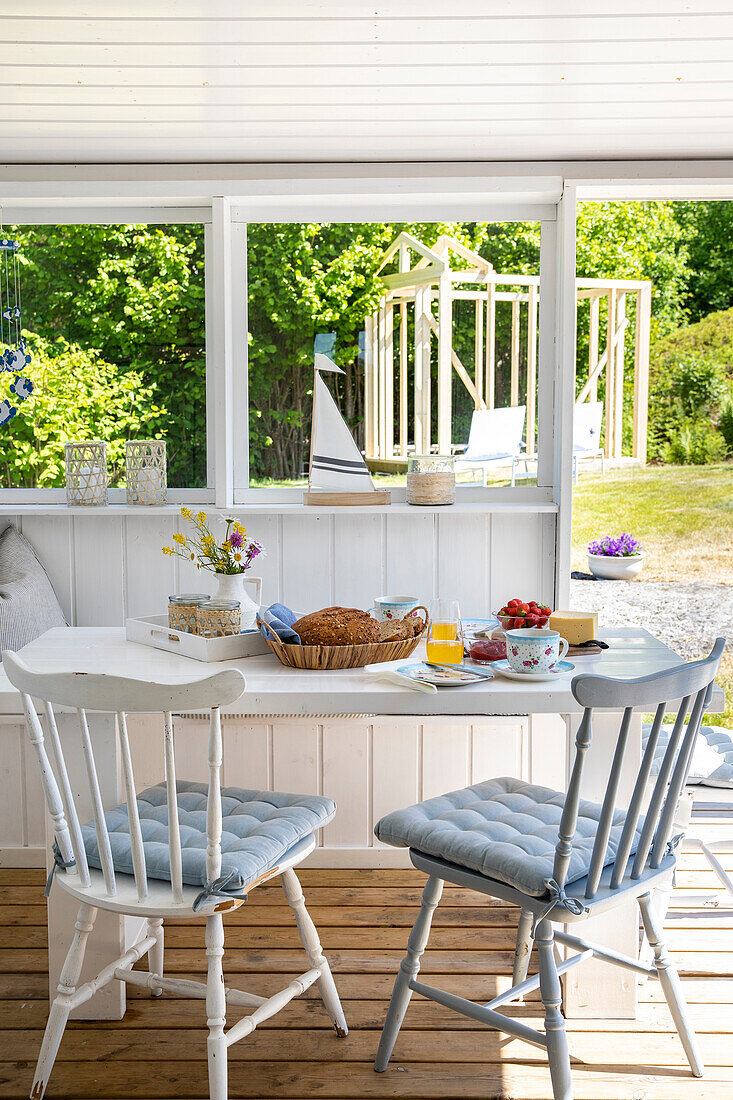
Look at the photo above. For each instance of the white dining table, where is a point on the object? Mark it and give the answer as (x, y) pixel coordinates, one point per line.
(274, 690)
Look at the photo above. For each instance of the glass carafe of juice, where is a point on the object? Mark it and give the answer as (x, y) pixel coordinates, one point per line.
(445, 637)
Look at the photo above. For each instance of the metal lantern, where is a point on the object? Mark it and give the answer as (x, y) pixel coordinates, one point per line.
(145, 471)
(86, 472)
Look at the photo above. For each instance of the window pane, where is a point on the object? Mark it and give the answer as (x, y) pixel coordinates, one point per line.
(113, 316)
(372, 293)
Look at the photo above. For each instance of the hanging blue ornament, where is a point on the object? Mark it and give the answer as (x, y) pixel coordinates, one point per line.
(22, 388)
(14, 358)
(7, 412)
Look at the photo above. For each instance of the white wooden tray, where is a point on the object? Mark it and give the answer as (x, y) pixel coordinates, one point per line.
(154, 631)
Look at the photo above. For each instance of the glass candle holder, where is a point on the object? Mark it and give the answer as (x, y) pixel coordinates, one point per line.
(182, 611)
(431, 479)
(86, 472)
(217, 618)
(145, 471)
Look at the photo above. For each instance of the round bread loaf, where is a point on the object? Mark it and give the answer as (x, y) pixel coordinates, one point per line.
(338, 626)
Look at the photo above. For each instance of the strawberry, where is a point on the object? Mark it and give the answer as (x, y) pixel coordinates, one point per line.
(518, 623)
(532, 620)
(544, 620)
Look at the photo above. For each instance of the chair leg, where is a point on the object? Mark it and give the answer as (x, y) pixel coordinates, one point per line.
(557, 1040)
(715, 864)
(523, 948)
(155, 955)
(671, 986)
(216, 1005)
(60, 1009)
(409, 969)
(312, 944)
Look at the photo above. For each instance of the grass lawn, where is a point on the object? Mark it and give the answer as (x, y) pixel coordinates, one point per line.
(682, 515)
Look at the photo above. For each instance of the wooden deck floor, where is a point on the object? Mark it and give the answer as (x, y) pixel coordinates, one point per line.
(158, 1051)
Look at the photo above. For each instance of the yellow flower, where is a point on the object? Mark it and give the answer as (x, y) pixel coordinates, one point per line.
(237, 557)
(239, 529)
(180, 539)
(219, 568)
(185, 512)
(168, 550)
(208, 540)
(226, 546)
(201, 517)
(193, 557)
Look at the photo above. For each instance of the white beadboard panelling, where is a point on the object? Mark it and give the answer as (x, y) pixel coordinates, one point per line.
(496, 748)
(521, 559)
(463, 561)
(150, 574)
(266, 530)
(546, 760)
(98, 559)
(246, 761)
(445, 757)
(50, 537)
(13, 812)
(396, 780)
(296, 757)
(346, 780)
(357, 563)
(145, 733)
(410, 556)
(305, 557)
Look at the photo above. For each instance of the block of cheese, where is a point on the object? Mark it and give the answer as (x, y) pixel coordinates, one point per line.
(575, 626)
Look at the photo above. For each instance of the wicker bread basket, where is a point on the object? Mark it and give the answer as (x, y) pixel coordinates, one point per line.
(340, 656)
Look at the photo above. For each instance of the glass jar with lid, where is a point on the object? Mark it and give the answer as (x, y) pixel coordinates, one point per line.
(182, 610)
(431, 479)
(217, 618)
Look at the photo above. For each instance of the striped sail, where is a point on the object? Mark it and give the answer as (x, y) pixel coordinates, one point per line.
(336, 462)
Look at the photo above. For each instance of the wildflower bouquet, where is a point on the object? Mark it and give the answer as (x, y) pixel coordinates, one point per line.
(623, 546)
(234, 554)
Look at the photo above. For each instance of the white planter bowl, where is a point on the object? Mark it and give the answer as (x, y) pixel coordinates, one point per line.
(615, 569)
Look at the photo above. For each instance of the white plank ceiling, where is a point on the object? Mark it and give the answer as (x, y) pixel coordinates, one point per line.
(322, 80)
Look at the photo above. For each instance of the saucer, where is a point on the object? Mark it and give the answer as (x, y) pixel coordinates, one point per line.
(505, 669)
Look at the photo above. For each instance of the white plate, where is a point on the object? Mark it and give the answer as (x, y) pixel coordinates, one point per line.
(505, 669)
(455, 677)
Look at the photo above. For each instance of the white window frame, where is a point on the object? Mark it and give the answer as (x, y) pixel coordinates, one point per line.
(74, 212)
(380, 199)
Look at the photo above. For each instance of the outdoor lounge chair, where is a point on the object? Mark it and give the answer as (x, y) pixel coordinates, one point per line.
(587, 422)
(495, 440)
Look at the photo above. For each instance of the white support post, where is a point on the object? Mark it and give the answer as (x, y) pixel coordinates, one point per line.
(610, 372)
(220, 290)
(370, 397)
(478, 355)
(403, 380)
(445, 371)
(490, 345)
(382, 381)
(514, 358)
(389, 380)
(422, 371)
(531, 368)
(594, 318)
(559, 315)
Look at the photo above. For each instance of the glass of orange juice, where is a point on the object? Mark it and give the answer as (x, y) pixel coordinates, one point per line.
(445, 635)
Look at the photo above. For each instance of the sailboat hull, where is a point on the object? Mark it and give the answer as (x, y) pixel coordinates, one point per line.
(324, 499)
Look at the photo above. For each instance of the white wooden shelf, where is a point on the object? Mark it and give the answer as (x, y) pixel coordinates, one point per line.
(278, 508)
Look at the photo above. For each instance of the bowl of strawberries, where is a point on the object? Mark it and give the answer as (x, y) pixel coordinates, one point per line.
(523, 613)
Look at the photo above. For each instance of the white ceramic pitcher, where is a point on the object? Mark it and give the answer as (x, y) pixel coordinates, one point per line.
(232, 587)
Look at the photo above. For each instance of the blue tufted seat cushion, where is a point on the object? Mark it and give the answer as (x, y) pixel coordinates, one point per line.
(504, 828)
(258, 828)
(712, 757)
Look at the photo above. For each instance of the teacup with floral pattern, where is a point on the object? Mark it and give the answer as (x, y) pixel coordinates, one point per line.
(532, 649)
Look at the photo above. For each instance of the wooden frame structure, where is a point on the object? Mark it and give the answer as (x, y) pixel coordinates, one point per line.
(424, 276)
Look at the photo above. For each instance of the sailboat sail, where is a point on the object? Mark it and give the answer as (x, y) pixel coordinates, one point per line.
(336, 462)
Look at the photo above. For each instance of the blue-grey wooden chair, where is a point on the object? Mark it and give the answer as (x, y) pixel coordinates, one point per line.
(559, 859)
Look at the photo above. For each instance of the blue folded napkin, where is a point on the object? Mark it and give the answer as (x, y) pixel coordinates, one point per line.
(280, 618)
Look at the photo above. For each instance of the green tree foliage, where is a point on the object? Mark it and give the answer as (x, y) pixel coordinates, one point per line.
(77, 396)
(134, 295)
(708, 232)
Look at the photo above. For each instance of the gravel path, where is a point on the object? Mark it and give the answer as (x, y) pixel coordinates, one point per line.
(688, 617)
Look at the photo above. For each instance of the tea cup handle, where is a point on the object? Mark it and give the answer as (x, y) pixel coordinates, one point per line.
(561, 654)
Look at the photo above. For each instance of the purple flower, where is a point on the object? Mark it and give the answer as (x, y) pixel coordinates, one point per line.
(622, 546)
(236, 539)
(252, 552)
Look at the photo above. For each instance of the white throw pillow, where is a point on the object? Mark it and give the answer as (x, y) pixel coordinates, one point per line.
(28, 604)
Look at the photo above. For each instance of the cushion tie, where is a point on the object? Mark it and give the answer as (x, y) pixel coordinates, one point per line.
(225, 886)
(58, 861)
(673, 844)
(557, 897)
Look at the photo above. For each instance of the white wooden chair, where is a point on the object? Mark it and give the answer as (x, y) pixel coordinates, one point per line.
(560, 860)
(495, 440)
(167, 862)
(587, 421)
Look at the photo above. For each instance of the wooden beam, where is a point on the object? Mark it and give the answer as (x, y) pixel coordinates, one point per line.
(429, 274)
(531, 368)
(595, 313)
(610, 361)
(422, 372)
(388, 380)
(370, 395)
(641, 370)
(403, 380)
(490, 346)
(478, 353)
(445, 374)
(461, 371)
(599, 367)
(514, 380)
(618, 375)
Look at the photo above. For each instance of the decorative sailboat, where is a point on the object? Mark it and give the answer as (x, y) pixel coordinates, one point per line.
(338, 474)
